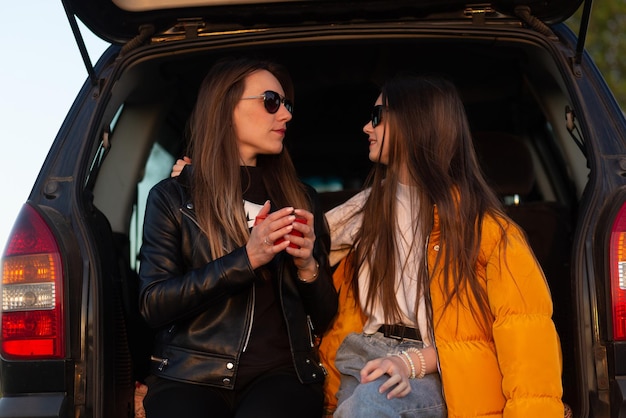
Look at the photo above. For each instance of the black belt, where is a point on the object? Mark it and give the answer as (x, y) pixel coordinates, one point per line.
(400, 332)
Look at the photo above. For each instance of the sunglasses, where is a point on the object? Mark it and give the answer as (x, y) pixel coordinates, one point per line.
(272, 101)
(377, 115)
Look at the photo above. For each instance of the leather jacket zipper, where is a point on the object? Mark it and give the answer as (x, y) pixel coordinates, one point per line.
(251, 321)
(310, 328)
(162, 362)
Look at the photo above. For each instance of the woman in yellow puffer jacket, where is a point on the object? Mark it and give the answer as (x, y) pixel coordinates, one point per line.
(444, 310)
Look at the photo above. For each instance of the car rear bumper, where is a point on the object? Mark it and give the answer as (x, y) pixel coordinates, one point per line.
(33, 406)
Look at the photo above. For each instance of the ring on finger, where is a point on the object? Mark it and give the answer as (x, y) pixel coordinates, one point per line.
(267, 242)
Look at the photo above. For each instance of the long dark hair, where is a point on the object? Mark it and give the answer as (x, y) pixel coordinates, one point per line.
(430, 143)
(216, 181)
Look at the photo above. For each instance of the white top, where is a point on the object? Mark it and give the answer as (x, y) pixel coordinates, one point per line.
(344, 224)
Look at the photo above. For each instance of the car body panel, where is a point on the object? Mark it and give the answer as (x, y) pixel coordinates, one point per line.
(119, 21)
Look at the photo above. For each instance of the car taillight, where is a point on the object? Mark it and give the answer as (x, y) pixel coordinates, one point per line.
(618, 274)
(32, 291)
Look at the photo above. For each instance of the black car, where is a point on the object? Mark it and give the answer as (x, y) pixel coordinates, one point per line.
(550, 137)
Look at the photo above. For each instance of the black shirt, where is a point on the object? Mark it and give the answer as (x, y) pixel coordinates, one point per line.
(268, 347)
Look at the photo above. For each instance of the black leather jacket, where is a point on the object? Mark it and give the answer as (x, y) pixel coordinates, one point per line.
(202, 308)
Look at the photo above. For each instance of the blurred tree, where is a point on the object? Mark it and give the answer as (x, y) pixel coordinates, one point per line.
(606, 42)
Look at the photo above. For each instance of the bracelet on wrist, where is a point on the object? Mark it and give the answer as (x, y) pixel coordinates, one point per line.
(406, 363)
(420, 355)
(312, 278)
(410, 360)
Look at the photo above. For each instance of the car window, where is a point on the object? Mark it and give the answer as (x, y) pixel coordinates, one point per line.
(158, 167)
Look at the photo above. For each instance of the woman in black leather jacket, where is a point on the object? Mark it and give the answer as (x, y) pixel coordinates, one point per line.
(237, 304)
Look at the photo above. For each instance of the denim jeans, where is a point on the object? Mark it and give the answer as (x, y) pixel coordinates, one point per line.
(364, 401)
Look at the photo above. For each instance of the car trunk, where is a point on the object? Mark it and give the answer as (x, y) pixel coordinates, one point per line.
(336, 75)
(517, 81)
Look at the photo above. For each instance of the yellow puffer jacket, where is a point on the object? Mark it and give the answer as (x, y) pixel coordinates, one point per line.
(514, 371)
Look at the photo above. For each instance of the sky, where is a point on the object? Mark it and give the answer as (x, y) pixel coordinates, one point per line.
(41, 72)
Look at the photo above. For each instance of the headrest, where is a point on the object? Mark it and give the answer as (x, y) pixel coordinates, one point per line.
(506, 162)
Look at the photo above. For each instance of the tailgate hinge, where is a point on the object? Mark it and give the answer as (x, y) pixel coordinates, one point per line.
(478, 12)
(184, 29)
(190, 27)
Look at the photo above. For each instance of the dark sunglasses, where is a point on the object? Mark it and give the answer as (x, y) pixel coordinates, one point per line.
(377, 115)
(272, 101)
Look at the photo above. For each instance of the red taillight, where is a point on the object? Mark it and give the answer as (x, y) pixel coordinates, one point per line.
(32, 292)
(618, 275)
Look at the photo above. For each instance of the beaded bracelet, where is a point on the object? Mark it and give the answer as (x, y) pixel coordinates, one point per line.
(406, 363)
(317, 272)
(422, 361)
(408, 357)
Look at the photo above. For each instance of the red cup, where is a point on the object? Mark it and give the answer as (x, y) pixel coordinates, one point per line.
(260, 218)
(293, 232)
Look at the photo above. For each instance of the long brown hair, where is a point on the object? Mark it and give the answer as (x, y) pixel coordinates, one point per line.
(429, 139)
(216, 177)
